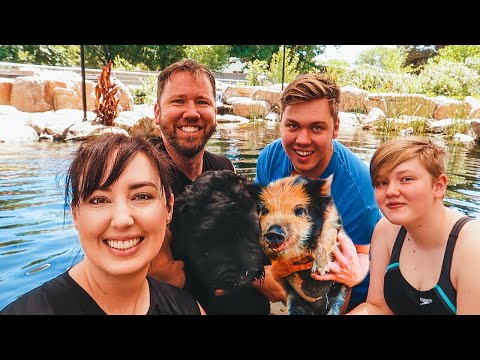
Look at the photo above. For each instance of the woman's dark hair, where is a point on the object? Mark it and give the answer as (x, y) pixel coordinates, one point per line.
(90, 168)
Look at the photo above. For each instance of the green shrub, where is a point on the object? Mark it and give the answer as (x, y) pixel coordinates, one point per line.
(147, 92)
(448, 78)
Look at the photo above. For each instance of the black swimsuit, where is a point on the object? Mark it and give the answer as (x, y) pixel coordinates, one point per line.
(403, 298)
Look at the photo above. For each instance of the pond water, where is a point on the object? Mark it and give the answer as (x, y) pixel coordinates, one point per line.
(37, 242)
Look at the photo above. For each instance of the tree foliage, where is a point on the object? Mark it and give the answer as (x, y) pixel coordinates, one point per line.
(384, 57)
(153, 57)
(214, 57)
(305, 53)
(279, 71)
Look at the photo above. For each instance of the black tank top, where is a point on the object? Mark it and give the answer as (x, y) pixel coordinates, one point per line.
(404, 299)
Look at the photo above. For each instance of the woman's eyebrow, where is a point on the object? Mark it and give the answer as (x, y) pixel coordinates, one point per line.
(141, 184)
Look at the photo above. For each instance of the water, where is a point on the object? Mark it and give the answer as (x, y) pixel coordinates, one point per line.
(37, 242)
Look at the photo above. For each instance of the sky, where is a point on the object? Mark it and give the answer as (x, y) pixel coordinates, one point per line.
(344, 52)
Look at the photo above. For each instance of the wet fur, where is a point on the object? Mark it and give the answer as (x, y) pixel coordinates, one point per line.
(298, 218)
(216, 232)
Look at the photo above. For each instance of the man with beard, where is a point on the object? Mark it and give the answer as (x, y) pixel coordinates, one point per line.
(186, 113)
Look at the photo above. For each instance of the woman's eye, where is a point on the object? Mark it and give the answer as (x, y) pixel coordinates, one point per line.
(97, 200)
(142, 196)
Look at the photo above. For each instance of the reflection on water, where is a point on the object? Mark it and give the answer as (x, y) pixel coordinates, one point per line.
(37, 242)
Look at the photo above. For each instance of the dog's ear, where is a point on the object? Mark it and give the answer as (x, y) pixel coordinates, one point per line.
(254, 190)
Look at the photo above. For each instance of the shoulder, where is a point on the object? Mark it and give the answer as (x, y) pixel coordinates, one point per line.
(274, 146)
(385, 231)
(217, 162)
(467, 242)
(274, 150)
(36, 301)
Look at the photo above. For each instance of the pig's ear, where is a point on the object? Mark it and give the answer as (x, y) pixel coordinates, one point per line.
(254, 190)
(320, 187)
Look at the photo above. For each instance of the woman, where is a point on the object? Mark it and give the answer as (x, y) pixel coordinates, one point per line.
(121, 204)
(425, 257)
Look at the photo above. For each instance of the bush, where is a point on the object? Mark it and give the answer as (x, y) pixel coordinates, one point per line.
(448, 78)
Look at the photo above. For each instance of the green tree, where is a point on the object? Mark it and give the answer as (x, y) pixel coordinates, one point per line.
(306, 54)
(458, 53)
(142, 57)
(9, 53)
(257, 72)
(215, 57)
(279, 70)
(384, 57)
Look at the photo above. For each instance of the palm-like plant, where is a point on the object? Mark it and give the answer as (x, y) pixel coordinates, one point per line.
(106, 99)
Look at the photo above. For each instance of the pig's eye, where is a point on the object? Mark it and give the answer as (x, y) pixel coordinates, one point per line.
(262, 210)
(300, 211)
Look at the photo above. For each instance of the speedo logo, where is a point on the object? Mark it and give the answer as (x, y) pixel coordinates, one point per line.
(424, 301)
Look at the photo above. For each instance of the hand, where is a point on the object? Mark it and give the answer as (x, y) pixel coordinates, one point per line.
(164, 268)
(346, 267)
(170, 271)
(272, 285)
(282, 268)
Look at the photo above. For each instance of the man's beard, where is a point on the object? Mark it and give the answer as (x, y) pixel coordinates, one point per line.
(187, 147)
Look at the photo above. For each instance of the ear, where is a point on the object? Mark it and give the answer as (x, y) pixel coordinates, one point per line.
(254, 190)
(336, 127)
(171, 201)
(440, 186)
(156, 111)
(74, 210)
(321, 187)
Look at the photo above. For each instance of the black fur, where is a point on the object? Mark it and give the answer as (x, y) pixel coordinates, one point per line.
(216, 233)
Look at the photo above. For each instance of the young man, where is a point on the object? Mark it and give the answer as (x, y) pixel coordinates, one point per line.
(309, 125)
(186, 112)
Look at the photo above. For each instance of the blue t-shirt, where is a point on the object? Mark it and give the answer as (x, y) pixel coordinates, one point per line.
(352, 193)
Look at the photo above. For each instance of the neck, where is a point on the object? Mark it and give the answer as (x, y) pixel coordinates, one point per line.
(432, 229)
(116, 295)
(190, 166)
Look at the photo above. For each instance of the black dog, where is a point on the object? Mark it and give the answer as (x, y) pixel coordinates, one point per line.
(298, 218)
(216, 233)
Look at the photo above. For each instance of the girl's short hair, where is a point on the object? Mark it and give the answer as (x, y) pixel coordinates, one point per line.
(394, 152)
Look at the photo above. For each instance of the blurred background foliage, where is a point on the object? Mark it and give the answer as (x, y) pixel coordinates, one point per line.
(449, 70)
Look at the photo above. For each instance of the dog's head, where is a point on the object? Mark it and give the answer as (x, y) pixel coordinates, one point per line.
(216, 232)
(298, 218)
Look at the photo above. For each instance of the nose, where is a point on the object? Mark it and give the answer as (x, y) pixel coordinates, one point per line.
(303, 138)
(392, 189)
(121, 216)
(191, 111)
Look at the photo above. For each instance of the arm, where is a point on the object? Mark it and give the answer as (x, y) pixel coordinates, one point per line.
(164, 268)
(466, 266)
(383, 235)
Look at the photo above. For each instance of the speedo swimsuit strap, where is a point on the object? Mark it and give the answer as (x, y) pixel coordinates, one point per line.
(452, 240)
(397, 247)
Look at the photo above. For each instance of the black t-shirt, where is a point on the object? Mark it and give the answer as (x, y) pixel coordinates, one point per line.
(63, 296)
(211, 161)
